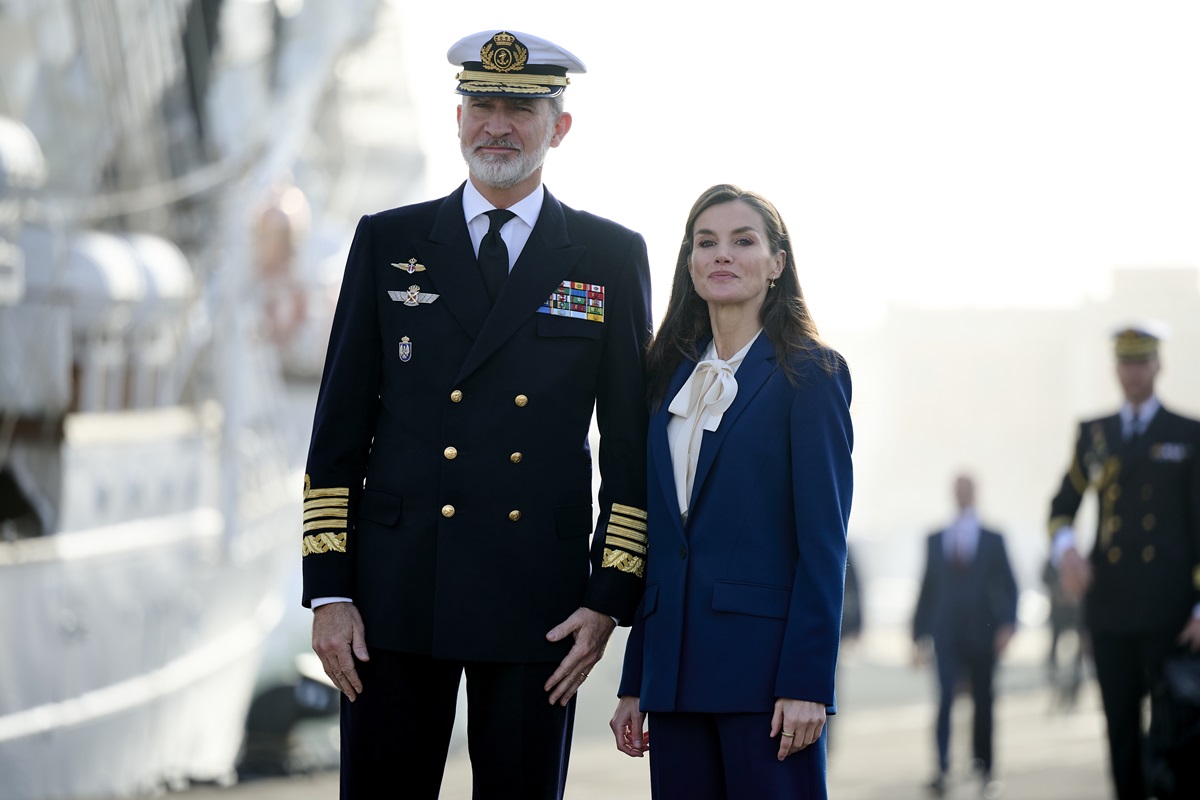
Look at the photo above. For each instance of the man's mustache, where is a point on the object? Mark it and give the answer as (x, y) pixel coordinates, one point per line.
(498, 143)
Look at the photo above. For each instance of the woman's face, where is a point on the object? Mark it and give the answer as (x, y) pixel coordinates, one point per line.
(732, 261)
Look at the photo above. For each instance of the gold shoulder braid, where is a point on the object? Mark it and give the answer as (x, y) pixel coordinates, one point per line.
(325, 514)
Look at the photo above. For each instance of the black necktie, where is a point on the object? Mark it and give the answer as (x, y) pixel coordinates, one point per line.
(493, 254)
(1135, 429)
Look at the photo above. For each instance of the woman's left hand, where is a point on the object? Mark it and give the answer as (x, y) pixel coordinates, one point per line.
(797, 723)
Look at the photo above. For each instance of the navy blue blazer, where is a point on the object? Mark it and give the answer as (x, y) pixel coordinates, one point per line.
(743, 604)
(449, 485)
(962, 606)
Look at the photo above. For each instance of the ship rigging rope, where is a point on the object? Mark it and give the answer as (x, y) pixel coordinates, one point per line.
(95, 208)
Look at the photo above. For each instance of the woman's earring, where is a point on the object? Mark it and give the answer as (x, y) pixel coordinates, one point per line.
(771, 285)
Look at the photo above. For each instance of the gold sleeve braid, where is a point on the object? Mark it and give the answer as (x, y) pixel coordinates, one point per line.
(625, 540)
(326, 512)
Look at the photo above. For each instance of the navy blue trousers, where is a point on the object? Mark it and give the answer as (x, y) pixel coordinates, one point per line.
(396, 735)
(729, 757)
(955, 664)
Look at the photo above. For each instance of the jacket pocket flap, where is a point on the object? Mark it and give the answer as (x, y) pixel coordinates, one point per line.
(381, 507)
(550, 325)
(750, 598)
(650, 600)
(573, 521)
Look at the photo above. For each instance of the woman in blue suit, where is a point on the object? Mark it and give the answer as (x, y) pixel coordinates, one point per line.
(733, 648)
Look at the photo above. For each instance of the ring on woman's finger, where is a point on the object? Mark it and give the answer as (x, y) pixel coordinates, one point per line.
(788, 735)
(583, 676)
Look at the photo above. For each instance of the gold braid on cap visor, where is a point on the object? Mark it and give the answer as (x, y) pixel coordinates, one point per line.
(527, 77)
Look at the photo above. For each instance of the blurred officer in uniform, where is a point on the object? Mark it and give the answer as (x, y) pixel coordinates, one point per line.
(1142, 581)
(448, 500)
(967, 606)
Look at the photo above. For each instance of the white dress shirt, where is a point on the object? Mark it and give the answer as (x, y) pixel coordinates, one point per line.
(515, 232)
(961, 539)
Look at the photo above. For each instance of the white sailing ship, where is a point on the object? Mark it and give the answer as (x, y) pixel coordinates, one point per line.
(150, 231)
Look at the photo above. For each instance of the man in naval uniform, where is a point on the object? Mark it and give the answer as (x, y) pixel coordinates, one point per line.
(1142, 581)
(448, 496)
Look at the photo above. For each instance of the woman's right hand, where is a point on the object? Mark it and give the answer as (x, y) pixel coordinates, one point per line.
(628, 726)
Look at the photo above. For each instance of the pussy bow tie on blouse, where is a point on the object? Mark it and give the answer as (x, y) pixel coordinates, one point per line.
(711, 387)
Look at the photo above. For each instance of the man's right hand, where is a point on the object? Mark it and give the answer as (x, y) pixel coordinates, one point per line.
(1074, 573)
(338, 638)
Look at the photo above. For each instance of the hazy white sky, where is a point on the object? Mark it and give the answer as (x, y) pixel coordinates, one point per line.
(926, 151)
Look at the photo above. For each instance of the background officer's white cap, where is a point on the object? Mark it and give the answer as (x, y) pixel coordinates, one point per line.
(1138, 341)
(511, 64)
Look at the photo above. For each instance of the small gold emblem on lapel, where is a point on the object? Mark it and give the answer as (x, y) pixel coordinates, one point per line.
(411, 267)
(405, 349)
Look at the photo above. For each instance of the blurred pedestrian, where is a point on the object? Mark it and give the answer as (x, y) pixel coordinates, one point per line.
(734, 648)
(1067, 637)
(967, 608)
(448, 525)
(1142, 579)
(852, 624)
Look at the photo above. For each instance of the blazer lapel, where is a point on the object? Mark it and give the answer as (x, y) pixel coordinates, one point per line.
(548, 257)
(660, 445)
(451, 265)
(755, 368)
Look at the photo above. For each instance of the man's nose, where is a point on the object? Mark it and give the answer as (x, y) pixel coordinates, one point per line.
(498, 123)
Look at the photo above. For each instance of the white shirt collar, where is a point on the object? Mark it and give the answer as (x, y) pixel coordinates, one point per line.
(527, 208)
(1146, 412)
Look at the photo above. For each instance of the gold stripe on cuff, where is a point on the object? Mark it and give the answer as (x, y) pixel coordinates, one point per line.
(628, 544)
(324, 543)
(625, 562)
(628, 511)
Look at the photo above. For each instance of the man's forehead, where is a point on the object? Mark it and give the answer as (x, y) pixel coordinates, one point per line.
(542, 105)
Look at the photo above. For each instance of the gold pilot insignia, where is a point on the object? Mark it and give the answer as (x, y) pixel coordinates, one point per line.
(413, 296)
(405, 349)
(411, 267)
(504, 54)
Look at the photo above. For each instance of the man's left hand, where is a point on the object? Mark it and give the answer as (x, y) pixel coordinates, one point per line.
(591, 630)
(1191, 634)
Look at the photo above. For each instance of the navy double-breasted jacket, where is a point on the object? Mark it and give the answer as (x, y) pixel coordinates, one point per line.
(743, 602)
(1146, 558)
(449, 479)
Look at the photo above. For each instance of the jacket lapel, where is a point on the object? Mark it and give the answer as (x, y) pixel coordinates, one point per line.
(660, 445)
(547, 258)
(756, 367)
(451, 265)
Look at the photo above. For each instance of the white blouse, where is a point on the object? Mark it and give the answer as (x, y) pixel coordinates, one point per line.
(701, 403)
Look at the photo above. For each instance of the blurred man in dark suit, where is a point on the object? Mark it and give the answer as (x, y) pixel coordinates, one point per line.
(968, 608)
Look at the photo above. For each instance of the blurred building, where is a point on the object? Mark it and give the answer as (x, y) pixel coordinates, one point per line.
(997, 391)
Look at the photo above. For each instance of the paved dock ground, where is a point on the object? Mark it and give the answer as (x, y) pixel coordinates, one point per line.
(881, 741)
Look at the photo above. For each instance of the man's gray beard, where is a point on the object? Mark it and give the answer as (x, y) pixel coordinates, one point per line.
(500, 172)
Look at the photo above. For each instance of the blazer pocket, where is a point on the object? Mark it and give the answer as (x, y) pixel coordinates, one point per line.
(381, 507)
(751, 598)
(573, 521)
(550, 325)
(650, 600)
